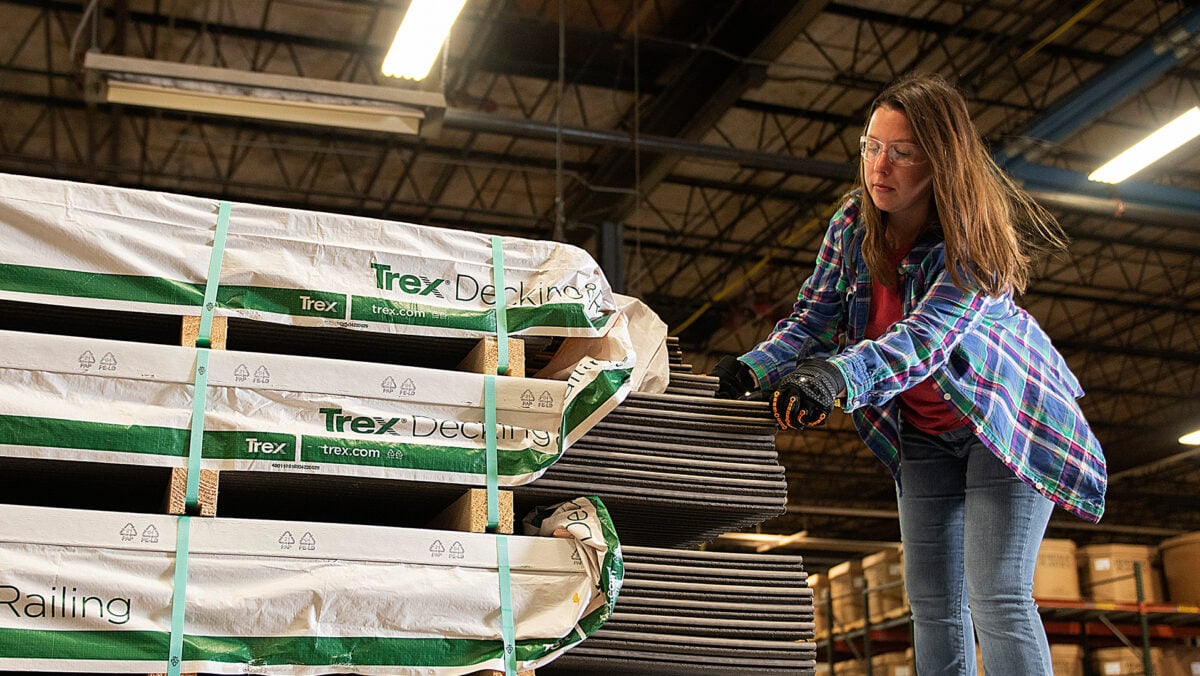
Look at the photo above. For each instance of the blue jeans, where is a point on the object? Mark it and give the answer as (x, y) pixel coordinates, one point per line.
(971, 531)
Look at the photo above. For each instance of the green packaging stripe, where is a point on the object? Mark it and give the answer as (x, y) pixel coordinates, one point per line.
(388, 311)
(293, 302)
(261, 650)
(83, 435)
(284, 301)
(140, 439)
(372, 453)
(594, 395)
(160, 291)
(134, 288)
(251, 445)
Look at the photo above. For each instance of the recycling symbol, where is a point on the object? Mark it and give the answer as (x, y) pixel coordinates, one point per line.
(150, 534)
(457, 551)
(87, 360)
(388, 385)
(308, 542)
(286, 540)
(241, 373)
(128, 533)
(261, 375)
(437, 548)
(526, 399)
(408, 388)
(546, 401)
(108, 362)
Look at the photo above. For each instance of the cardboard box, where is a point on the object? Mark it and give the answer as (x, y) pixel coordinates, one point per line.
(1180, 661)
(820, 588)
(1108, 573)
(850, 668)
(1057, 572)
(846, 584)
(1123, 661)
(1067, 659)
(92, 591)
(883, 573)
(1181, 567)
(899, 663)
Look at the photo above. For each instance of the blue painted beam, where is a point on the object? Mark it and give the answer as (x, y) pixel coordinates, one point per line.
(1035, 177)
(1143, 65)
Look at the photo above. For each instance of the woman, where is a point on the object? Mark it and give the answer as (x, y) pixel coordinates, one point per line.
(955, 388)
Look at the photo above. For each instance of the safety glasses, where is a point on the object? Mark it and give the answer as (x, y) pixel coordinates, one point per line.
(900, 153)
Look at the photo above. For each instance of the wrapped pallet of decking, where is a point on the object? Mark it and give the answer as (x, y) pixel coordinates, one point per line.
(280, 597)
(94, 246)
(85, 399)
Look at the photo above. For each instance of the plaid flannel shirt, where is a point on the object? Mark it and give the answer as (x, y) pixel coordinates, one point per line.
(987, 357)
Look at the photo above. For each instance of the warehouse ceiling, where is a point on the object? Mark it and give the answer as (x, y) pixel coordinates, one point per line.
(696, 148)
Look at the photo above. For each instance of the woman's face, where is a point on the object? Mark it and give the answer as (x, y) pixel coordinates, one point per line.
(899, 177)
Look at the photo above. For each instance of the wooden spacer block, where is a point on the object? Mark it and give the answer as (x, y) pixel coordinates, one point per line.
(177, 497)
(469, 513)
(485, 356)
(190, 331)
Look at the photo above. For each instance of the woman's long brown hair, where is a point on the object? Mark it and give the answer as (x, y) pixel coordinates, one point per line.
(994, 231)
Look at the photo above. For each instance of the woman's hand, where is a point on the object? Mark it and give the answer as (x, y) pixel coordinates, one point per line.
(804, 397)
(736, 378)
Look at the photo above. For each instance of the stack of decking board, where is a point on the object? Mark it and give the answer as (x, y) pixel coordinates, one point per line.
(688, 612)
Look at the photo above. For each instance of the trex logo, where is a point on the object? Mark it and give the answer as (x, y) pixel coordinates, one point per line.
(335, 421)
(415, 284)
(253, 445)
(309, 303)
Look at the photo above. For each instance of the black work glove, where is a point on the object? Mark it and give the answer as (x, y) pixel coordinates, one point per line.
(804, 397)
(736, 378)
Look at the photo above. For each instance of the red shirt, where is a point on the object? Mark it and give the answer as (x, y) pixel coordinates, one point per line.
(921, 405)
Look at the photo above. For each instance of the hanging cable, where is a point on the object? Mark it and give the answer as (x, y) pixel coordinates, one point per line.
(83, 19)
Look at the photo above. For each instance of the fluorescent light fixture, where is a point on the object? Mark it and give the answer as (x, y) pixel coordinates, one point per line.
(282, 98)
(1172, 135)
(1191, 438)
(420, 37)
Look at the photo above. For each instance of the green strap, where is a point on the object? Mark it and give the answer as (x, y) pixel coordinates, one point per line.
(508, 632)
(196, 434)
(195, 442)
(493, 461)
(501, 306)
(214, 275)
(178, 602)
(204, 340)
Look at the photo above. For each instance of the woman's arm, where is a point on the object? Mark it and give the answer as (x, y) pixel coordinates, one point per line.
(818, 315)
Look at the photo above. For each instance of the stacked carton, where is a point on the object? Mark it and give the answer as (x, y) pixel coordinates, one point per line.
(1181, 567)
(1108, 573)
